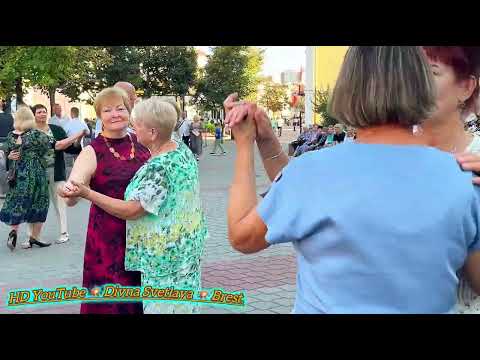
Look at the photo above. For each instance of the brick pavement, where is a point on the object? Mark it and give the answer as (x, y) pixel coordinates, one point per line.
(267, 277)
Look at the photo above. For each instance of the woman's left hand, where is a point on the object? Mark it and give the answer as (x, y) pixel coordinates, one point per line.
(470, 162)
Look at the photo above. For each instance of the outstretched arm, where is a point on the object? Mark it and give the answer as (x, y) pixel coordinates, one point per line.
(126, 210)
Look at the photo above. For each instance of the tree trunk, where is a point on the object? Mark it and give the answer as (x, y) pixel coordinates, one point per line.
(19, 90)
(183, 102)
(8, 103)
(51, 96)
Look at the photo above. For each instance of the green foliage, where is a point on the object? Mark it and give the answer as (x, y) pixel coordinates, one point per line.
(320, 106)
(229, 69)
(274, 97)
(210, 128)
(168, 70)
(91, 62)
(124, 66)
(49, 68)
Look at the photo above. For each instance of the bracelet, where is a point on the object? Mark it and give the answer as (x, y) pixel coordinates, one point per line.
(275, 156)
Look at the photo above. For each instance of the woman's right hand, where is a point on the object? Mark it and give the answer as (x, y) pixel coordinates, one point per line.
(14, 155)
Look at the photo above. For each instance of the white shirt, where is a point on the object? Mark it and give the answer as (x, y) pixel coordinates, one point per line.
(54, 120)
(74, 126)
(184, 130)
(280, 122)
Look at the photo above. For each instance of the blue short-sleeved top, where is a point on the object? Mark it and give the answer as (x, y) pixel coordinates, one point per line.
(377, 228)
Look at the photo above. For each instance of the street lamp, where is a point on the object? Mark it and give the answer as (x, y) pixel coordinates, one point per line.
(302, 94)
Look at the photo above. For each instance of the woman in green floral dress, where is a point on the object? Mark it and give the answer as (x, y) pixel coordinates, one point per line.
(166, 226)
(27, 199)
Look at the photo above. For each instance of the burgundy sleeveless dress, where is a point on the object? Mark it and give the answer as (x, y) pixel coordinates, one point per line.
(106, 235)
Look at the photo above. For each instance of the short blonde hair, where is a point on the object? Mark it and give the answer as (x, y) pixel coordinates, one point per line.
(24, 119)
(380, 85)
(172, 102)
(196, 118)
(158, 114)
(109, 93)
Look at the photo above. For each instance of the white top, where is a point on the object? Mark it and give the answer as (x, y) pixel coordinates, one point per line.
(74, 126)
(184, 130)
(54, 120)
(280, 122)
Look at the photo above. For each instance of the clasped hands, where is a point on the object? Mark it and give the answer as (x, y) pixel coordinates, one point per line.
(247, 121)
(73, 189)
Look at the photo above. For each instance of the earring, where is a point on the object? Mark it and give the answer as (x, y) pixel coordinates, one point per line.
(461, 105)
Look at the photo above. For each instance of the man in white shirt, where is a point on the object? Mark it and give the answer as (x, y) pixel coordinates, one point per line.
(57, 119)
(75, 124)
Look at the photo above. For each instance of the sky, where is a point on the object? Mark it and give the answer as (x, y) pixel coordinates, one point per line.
(279, 58)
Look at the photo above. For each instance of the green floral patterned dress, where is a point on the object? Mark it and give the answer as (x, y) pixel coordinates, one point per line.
(167, 243)
(27, 201)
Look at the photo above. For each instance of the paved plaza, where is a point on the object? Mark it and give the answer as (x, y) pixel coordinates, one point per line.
(267, 277)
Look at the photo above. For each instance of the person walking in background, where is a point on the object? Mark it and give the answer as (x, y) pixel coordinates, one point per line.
(196, 137)
(184, 129)
(218, 140)
(274, 124)
(280, 122)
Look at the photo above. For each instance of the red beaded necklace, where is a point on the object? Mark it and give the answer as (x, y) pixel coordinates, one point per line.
(116, 154)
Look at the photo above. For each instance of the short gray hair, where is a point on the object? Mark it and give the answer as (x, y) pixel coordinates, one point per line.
(380, 85)
(157, 113)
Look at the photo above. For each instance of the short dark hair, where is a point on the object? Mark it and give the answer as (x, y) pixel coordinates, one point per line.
(75, 110)
(38, 106)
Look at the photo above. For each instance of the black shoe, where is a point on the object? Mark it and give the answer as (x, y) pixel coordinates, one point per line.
(33, 241)
(12, 240)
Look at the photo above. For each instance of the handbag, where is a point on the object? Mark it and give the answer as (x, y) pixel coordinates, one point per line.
(12, 176)
(12, 172)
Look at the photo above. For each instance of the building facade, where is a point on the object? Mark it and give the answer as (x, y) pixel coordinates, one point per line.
(322, 67)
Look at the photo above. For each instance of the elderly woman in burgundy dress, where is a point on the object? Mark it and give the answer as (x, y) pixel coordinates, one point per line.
(107, 165)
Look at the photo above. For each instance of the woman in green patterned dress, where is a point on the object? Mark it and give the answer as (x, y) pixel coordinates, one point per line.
(27, 199)
(166, 226)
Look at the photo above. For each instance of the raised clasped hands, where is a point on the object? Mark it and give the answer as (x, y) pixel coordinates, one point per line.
(244, 117)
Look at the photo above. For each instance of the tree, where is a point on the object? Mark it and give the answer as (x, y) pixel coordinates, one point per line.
(13, 66)
(320, 106)
(91, 62)
(274, 97)
(124, 65)
(49, 68)
(229, 69)
(168, 70)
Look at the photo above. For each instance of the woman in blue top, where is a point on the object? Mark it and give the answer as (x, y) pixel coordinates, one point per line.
(395, 239)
